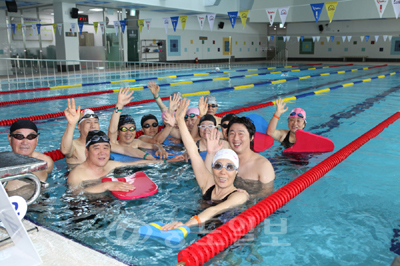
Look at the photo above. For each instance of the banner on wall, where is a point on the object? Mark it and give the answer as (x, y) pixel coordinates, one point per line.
(284, 38)
(80, 26)
(183, 21)
(166, 22)
(96, 26)
(38, 28)
(122, 23)
(34, 28)
(140, 24)
(116, 26)
(269, 38)
(201, 19)
(272, 38)
(362, 38)
(330, 9)
(396, 7)
(318, 38)
(348, 38)
(332, 38)
(271, 12)
(313, 38)
(243, 16)
(381, 6)
(147, 21)
(327, 38)
(390, 38)
(232, 18)
(19, 28)
(376, 38)
(55, 28)
(13, 28)
(287, 38)
(316, 9)
(366, 38)
(302, 38)
(385, 38)
(211, 19)
(343, 38)
(298, 38)
(174, 21)
(101, 23)
(283, 11)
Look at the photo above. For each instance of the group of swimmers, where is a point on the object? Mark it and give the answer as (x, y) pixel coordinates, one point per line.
(229, 154)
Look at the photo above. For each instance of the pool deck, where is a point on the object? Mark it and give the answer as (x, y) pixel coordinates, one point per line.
(55, 249)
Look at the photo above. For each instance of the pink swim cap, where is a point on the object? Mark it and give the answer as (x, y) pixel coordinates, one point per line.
(193, 110)
(298, 112)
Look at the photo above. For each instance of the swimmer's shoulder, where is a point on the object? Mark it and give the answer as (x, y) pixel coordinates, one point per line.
(47, 159)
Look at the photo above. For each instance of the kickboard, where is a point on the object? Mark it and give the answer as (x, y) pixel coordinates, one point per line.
(174, 236)
(174, 153)
(262, 141)
(167, 142)
(307, 142)
(144, 186)
(123, 158)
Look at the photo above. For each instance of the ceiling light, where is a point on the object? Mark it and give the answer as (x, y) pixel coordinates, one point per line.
(80, 12)
(96, 9)
(52, 14)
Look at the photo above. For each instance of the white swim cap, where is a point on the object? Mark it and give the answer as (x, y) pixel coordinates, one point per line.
(217, 68)
(87, 113)
(227, 154)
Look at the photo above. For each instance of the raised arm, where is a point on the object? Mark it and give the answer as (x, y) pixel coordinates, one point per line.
(72, 114)
(203, 176)
(277, 134)
(214, 144)
(203, 108)
(124, 97)
(155, 90)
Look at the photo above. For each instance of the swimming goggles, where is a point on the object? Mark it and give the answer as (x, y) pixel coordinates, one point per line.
(88, 116)
(21, 137)
(190, 115)
(224, 125)
(228, 166)
(155, 124)
(212, 105)
(208, 126)
(124, 129)
(298, 114)
(96, 138)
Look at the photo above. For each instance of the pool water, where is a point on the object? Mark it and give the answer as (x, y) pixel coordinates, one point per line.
(348, 217)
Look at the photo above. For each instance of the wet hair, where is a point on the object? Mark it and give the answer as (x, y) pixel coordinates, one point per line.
(228, 117)
(126, 119)
(251, 128)
(207, 118)
(147, 117)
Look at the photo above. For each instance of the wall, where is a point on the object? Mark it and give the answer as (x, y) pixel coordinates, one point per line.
(345, 28)
(242, 39)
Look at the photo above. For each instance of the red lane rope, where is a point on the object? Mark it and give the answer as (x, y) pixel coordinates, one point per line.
(210, 245)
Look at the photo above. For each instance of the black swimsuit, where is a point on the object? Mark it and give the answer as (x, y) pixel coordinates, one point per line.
(207, 196)
(286, 143)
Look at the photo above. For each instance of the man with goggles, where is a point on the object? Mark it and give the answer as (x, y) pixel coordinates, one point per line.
(98, 165)
(74, 149)
(23, 139)
(122, 132)
(296, 120)
(212, 107)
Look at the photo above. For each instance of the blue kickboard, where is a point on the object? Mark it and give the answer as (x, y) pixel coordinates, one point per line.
(260, 123)
(123, 158)
(174, 236)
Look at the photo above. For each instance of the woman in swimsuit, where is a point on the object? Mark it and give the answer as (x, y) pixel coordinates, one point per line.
(296, 120)
(216, 186)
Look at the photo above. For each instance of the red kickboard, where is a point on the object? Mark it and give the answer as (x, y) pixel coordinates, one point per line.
(262, 142)
(144, 186)
(307, 142)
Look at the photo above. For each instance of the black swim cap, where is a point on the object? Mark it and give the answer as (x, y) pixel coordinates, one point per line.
(228, 117)
(126, 119)
(96, 136)
(208, 118)
(23, 123)
(147, 117)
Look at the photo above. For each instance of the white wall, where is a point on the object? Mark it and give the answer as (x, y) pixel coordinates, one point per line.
(355, 28)
(253, 32)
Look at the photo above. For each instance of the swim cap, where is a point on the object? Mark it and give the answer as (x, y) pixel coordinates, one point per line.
(23, 123)
(147, 117)
(193, 110)
(176, 93)
(217, 69)
(227, 117)
(211, 99)
(298, 112)
(87, 113)
(208, 118)
(227, 154)
(96, 136)
(126, 119)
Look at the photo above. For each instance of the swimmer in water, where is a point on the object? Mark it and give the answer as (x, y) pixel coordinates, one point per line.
(297, 120)
(216, 185)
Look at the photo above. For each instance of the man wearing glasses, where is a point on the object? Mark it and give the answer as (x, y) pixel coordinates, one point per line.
(23, 139)
(74, 149)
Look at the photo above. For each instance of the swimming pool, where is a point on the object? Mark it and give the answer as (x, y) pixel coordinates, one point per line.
(347, 217)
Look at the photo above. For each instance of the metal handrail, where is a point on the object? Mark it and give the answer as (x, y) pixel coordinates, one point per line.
(29, 176)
